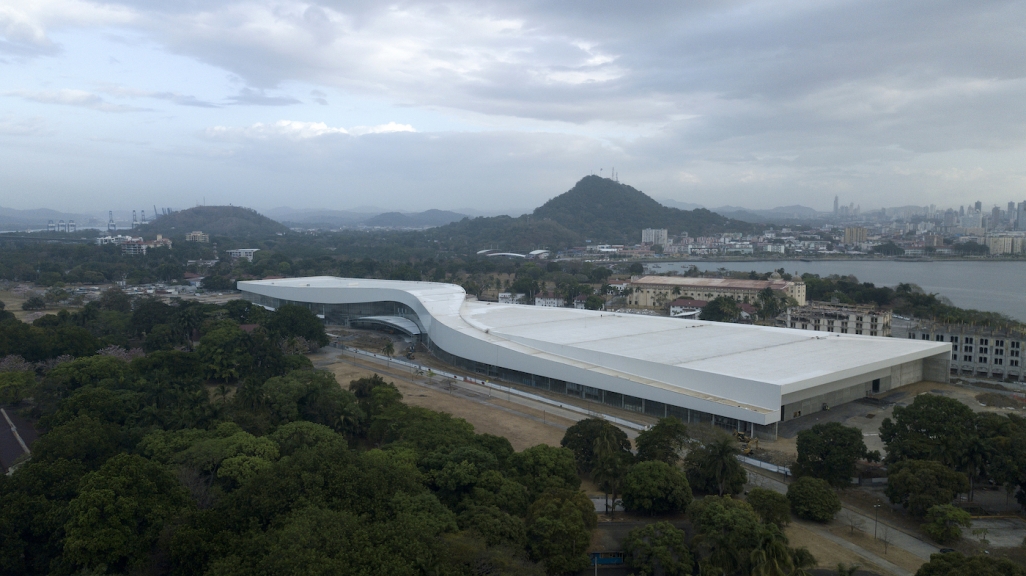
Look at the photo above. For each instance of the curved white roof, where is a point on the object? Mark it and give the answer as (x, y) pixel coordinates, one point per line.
(734, 370)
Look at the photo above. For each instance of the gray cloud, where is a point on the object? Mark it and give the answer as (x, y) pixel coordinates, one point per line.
(251, 97)
(174, 97)
(79, 98)
(756, 101)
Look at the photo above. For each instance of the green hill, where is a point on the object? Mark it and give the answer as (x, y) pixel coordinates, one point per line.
(596, 209)
(234, 221)
(607, 211)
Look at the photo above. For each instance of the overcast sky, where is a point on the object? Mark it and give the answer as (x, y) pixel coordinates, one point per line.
(415, 105)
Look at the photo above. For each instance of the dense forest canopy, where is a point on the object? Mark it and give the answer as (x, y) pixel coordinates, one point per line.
(218, 220)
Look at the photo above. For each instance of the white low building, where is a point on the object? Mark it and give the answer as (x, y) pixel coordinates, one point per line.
(739, 377)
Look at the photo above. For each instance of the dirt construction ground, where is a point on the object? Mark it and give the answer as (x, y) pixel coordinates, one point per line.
(523, 426)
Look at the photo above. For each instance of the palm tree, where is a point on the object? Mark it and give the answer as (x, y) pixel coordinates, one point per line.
(974, 460)
(721, 456)
(222, 392)
(771, 557)
(388, 350)
(611, 463)
(843, 570)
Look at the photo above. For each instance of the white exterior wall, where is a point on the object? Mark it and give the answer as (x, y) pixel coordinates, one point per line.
(738, 381)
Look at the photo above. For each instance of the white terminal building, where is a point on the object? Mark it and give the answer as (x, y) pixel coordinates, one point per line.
(738, 377)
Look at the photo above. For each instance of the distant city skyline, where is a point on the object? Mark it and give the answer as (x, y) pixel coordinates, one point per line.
(105, 104)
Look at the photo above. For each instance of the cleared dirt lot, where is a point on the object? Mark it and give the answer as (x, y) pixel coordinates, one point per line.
(523, 426)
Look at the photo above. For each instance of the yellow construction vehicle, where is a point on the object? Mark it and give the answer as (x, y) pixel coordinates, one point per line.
(748, 444)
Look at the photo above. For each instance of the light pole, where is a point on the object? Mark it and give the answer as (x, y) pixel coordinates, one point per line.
(876, 518)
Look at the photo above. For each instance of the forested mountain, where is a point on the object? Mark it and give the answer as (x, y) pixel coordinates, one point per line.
(426, 219)
(219, 220)
(606, 210)
(596, 209)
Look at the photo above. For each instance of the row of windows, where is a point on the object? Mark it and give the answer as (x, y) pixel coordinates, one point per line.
(983, 360)
(614, 399)
(999, 344)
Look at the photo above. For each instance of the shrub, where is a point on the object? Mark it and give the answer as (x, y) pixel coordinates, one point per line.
(772, 507)
(655, 487)
(34, 303)
(813, 499)
(919, 485)
(658, 549)
(944, 523)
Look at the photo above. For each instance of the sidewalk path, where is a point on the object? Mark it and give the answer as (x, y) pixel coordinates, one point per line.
(898, 538)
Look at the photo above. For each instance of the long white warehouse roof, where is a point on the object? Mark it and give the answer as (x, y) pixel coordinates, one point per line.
(734, 370)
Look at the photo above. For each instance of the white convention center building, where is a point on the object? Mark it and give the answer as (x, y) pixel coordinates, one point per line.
(735, 376)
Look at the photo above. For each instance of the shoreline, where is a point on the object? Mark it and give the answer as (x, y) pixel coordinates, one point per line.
(902, 259)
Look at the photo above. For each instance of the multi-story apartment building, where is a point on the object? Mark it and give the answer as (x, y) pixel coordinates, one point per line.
(654, 236)
(197, 236)
(854, 235)
(977, 350)
(841, 318)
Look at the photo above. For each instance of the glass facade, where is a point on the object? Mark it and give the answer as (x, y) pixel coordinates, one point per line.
(590, 393)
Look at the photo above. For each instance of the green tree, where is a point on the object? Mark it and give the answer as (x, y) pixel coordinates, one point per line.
(771, 556)
(84, 438)
(115, 300)
(636, 268)
(594, 302)
(313, 396)
(727, 530)
(559, 526)
(813, 499)
(955, 564)
(658, 549)
(889, 249)
(581, 437)
(15, 386)
(931, 428)
(665, 441)
(611, 462)
(34, 303)
(829, 452)
(721, 309)
(225, 352)
(160, 337)
(919, 485)
(543, 467)
(118, 514)
(655, 487)
(714, 468)
(944, 523)
(772, 507)
(494, 525)
(291, 320)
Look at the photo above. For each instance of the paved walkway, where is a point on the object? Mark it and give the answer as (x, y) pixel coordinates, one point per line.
(903, 540)
(872, 557)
